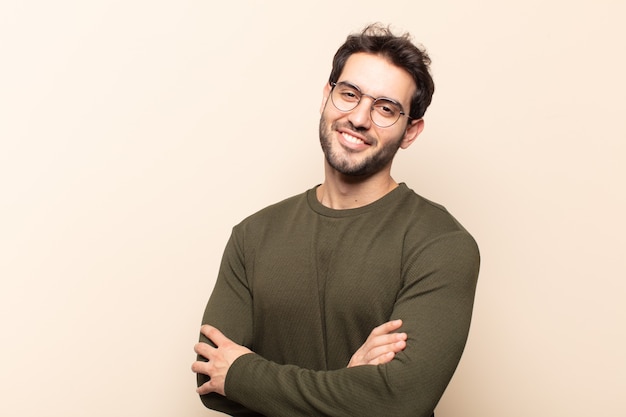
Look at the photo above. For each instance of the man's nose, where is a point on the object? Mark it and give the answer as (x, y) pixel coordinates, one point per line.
(360, 116)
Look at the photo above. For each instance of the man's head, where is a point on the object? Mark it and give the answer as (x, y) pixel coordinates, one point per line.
(400, 51)
(378, 91)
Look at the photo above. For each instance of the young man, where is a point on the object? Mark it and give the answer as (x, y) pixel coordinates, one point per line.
(355, 297)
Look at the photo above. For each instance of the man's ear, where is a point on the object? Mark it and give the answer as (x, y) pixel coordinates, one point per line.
(325, 96)
(413, 130)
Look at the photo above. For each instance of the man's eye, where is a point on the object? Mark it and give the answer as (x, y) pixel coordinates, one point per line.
(387, 109)
(349, 94)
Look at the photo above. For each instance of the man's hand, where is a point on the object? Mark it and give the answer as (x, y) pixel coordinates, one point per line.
(219, 359)
(381, 345)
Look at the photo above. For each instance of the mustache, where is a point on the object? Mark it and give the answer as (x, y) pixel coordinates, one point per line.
(346, 125)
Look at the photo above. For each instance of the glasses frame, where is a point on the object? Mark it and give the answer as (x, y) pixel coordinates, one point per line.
(374, 100)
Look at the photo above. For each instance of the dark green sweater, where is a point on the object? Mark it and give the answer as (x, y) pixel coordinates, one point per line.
(303, 285)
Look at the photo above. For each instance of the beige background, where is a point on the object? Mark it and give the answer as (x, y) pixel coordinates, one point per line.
(135, 134)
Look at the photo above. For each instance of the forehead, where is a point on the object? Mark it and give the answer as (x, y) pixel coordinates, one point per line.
(378, 77)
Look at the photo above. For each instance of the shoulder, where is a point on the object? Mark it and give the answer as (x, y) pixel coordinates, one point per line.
(279, 212)
(426, 214)
(429, 221)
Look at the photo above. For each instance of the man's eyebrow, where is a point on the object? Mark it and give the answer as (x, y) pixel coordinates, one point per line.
(351, 84)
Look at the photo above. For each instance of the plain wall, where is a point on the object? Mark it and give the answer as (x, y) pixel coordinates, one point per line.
(134, 134)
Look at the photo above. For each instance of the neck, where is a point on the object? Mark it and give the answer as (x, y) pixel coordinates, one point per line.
(341, 192)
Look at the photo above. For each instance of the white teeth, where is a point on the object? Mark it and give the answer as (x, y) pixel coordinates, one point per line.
(352, 139)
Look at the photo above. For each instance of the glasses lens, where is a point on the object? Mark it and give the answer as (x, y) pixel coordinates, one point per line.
(345, 97)
(385, 112)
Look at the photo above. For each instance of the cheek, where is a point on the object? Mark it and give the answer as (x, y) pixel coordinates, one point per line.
(394, 140)
(324, 104)
(329, 114)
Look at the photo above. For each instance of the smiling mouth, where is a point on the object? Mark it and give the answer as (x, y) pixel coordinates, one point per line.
(353, 139)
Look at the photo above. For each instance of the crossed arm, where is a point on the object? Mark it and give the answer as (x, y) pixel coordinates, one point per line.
(379, 348)
(434, 303)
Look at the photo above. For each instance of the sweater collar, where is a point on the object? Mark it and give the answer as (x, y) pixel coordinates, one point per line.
(385, 201)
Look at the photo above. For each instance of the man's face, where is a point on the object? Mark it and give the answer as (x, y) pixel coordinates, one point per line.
(353, 145)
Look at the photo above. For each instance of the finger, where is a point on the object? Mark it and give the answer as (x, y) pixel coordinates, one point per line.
(200, 367)
(374, 352)
(203, 349)
(215, 384)
(205, 388)
(214, 335)
(382, 359)
(375, 346)
(385, 339)
(387, 327)
(390, 349)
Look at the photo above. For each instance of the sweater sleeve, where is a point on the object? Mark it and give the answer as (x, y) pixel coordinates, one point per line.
(229, 309)
(435, 305)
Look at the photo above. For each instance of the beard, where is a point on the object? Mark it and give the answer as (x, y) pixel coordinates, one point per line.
(353, 167)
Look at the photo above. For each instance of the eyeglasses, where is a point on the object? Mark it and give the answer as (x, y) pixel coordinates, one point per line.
(384, 112)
